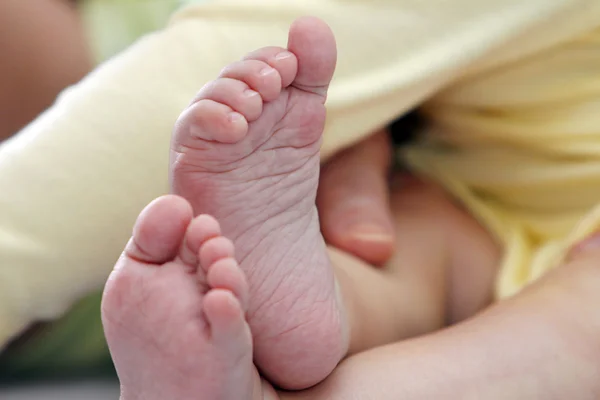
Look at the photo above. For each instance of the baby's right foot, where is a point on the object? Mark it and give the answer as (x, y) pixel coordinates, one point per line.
(247, 151)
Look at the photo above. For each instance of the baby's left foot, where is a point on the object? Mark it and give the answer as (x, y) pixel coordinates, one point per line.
(173, 311)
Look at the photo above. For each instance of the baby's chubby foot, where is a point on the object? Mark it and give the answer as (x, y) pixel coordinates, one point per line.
(173, 311)
(247, 151)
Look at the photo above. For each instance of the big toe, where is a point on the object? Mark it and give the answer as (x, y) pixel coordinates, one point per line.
(313, 43)
(159, 230)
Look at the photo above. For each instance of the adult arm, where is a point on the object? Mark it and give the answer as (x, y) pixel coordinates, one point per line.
(43, 50)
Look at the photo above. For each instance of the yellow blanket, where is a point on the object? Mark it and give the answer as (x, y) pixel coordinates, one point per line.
(520, 146)
(513, 132)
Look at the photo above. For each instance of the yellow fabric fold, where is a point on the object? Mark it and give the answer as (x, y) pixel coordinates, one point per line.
(520, 145)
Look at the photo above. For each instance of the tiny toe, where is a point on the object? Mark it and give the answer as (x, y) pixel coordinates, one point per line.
(159, 230)
(284, 61)
(215, 249)
(224, 314)
(209, 120)
(227, 274)
(259, 75)
(201, 229)
(235, 94)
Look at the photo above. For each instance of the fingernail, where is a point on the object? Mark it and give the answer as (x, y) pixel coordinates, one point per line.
(283, 55)
(370, 233)
(267, 71)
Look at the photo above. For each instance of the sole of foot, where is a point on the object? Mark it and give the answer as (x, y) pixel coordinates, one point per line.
(247, 152)
(174, 307)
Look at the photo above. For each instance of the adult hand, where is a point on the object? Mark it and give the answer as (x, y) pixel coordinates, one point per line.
(353, 200)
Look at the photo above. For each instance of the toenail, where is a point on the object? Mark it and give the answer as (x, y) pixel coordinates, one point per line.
(250, 93)
(235, 116)
(283, 55)
(267, 71)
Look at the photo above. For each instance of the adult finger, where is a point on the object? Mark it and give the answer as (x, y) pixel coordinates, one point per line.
(353, 200)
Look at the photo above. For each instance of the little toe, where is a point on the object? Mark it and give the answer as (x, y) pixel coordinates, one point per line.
(215, 249)
(259, 75)
(159, 230)
(201, 229)
(225, 316)
(235, 94)
(210, 120)
(284, 61)
(226, 274)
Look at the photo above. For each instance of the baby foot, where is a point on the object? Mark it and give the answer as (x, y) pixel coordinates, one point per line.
(173, 311)
(247, 151)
